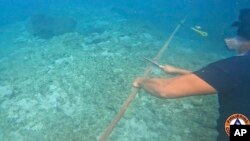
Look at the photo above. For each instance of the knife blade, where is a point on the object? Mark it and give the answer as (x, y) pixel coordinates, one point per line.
(153, 62)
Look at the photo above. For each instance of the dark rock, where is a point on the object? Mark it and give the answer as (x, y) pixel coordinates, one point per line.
(46, 27)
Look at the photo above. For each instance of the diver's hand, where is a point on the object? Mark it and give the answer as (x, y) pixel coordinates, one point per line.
(138, 82)
(169, 69)
(173, 70)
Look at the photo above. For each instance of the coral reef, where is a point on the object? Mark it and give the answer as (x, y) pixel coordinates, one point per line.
(70, 87)
(46, 27)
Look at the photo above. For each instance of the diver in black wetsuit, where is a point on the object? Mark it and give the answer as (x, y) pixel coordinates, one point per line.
(230, 78)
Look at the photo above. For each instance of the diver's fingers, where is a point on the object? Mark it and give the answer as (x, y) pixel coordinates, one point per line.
(161, 66)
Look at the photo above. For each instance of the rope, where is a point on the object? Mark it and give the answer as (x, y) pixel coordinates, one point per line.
(135, 91)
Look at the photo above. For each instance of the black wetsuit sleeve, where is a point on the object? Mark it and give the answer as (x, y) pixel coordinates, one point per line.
(221, 75)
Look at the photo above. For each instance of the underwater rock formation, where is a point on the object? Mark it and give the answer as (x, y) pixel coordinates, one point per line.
(46, 27)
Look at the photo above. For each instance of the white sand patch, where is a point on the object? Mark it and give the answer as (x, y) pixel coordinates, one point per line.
(64, 59)
(5, 91)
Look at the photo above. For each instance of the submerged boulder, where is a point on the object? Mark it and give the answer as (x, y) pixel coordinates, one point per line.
(44, 26)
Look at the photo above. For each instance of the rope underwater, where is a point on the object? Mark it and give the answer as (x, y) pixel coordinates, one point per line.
(135, 91)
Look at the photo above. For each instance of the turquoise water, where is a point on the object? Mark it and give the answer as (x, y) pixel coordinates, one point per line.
(67, 67)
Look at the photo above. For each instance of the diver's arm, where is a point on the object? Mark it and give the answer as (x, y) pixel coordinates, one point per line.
(173, 70)
(181, 86)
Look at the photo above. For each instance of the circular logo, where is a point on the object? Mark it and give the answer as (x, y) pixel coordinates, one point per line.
(235, 119)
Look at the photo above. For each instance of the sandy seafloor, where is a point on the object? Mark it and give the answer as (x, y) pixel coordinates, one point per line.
(68, 88)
